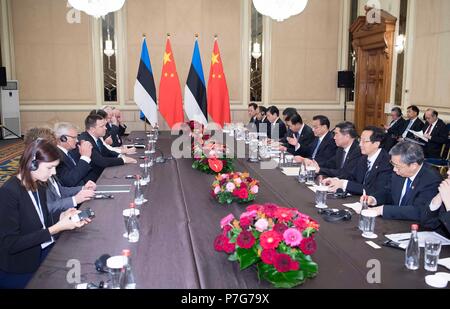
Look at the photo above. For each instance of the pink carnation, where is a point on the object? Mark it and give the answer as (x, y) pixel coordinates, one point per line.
(226, 220)
(251, 214)
(254, 189)
(261, 225)
(292, 237)
(216, 189)
(254, 207)
(230, 187)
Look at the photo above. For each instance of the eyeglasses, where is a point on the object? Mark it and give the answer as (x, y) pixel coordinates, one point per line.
(397, 166)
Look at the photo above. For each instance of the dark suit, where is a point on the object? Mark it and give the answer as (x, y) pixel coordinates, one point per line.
(304, 139)
(100, 158)
(339, 168)
(59, 202)
(439, 137)
(325, 153)
(372, 182)
(21, 232)
(277, 130)
(417, 126)
(69, 174)
(122, 129)
(253, 120)
(444, 218)
(394, 132)
(423, 189)
(113, 131)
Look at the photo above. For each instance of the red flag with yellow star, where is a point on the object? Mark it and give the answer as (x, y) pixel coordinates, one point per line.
(217, 94)
(170, 99)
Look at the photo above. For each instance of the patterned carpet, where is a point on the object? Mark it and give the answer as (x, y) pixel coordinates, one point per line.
(9, 160)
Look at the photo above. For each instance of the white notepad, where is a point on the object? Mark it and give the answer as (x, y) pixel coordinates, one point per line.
(113, 188)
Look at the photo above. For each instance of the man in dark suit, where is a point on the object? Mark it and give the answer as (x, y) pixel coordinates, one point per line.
(372, 171)
(413, 123)
(323, 147)
(395, 128)
(262, 124)
(412, 187)
(277, 129)
(299, 138)
(75, 160)
(347, 154)
(101, 156)
(436, 132)
(287, 114)
(252, 112)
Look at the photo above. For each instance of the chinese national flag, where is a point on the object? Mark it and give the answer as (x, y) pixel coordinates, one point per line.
(170, 99)
(217, 93)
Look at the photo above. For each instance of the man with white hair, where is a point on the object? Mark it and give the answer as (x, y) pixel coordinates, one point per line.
(117, 121)
(75, 158)
(112, 129)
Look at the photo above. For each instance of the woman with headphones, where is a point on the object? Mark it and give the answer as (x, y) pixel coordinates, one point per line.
(26, 225)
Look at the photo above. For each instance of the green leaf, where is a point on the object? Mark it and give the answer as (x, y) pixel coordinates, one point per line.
(310, 268)
(288, 279)
(233, 257)
(247, 257)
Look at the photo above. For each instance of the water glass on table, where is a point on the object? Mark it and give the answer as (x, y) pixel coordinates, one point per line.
(368, 223)
(432, 250)
(321, 196)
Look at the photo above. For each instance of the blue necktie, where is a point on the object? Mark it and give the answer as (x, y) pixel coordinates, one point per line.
(99, 145)
(71, 158)
(408, 189)
(367, 172)
(316, 149)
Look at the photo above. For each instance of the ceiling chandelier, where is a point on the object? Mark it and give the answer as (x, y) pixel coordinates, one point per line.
(97, 8)
(280, 9)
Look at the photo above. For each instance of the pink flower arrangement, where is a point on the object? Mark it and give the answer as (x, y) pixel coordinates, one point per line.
(278, 240)
(234, 187)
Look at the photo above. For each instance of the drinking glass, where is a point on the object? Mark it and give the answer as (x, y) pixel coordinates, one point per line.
(432, 250)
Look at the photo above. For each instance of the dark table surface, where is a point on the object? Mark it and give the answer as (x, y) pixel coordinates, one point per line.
(180, 221)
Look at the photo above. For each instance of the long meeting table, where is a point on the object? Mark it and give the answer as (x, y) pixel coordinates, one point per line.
(180, 221)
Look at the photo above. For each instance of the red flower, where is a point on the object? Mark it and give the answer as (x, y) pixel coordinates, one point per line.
(283, 214)
(245, 240)
(254, 207)
(280, 228)
(301, 224)
(245, 222)
(241, 193)
(215, 165)
(295, 265)
(226, 229)
(229, 247)
(308, 246)
(282, 262)
(270, 209)
(270, 240)
(268, 256)
(219, 242)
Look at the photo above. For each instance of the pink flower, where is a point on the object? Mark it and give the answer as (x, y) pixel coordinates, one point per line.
(226, 229)
(226, 220)
(261, 225)
(224, 176)
(280, 228)
(254, 189)
(219, 242)
(270, 209)
(292, 237)
(268, 256)
(251, 214)
(216, 189)
(237, 181)
(230, 187)
(254, 207)
(245, 222)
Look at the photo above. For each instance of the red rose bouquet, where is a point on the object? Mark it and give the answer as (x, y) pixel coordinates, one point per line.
(234, 187)
(280, 241)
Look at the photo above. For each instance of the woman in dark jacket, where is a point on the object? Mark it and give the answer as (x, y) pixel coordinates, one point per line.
(26, 225)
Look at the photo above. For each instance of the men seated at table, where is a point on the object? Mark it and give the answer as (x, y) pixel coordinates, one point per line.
(347, 154)
(262, 124)
(75, 159)
(413, 123)
(252, 112)
(101, 156)
(323, 147)
(59, 196)
(413, 185)
(436, 131)
(300, 138)
(277, 129)
(286, 115)
(111, 129)
(372, 171)
(395, 129)
(440, 208)
(117, 121)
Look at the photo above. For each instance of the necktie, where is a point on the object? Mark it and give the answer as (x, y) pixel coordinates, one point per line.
(296, 135)
(407, 128)
(408, 189)
(316, 149)
(429, 129)
(343, 159)
(367, 172)
(71, 158)
(99, 144)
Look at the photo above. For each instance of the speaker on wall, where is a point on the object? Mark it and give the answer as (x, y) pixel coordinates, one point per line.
(346, 79)
(2, 76)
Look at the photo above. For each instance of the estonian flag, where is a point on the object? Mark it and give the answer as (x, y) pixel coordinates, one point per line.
(144, 88)
(195, 90)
